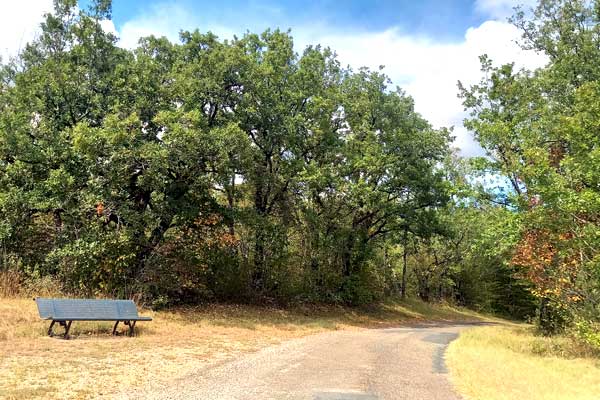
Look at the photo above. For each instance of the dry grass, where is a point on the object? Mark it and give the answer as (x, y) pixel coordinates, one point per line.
(10, 283)
(96, 365)
(510, 362)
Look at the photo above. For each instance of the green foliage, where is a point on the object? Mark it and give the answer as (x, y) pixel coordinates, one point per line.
(589, 333)
(469, 261)
(540, 131)
(361, 288)
(229, 169)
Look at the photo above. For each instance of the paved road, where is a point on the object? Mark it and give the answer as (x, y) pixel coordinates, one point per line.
(379, 364)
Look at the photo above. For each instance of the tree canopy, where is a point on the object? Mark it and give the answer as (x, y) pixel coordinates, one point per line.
(206, 168)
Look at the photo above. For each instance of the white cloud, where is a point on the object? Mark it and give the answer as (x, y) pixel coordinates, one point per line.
(167, 20)
(109, 27)
(501, 9)
(19, 22)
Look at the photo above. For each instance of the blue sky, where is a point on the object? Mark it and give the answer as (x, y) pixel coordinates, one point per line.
(426, 46)
(446, 19)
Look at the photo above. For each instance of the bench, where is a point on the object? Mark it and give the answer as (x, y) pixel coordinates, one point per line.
(65, 311)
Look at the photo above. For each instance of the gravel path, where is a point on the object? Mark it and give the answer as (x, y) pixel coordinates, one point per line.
(378, 364)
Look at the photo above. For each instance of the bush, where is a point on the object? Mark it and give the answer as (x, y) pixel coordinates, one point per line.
(552, 317)
(362, 287)
(100, 262)
(589, 333)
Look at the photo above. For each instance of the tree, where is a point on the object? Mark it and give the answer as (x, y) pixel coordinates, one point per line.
(531, 124)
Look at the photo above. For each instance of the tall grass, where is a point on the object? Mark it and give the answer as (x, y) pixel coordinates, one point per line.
(10, 284)
(13, 284)
(513, 362)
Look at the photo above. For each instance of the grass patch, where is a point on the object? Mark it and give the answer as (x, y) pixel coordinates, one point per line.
(177, 342)
(511, 362)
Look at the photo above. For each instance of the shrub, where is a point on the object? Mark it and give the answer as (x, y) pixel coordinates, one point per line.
(589, 333)
(362, 287)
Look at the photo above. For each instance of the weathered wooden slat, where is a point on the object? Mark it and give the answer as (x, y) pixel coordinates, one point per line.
(88, 309)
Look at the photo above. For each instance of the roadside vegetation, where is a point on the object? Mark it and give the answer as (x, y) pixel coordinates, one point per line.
(514, 362)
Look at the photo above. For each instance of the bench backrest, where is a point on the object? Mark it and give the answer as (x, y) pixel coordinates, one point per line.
(86, 309)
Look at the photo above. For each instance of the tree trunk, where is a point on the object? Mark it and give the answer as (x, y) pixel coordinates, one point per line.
(258, 275)
(155, 238)
(347, 257)
(231, 206)
(260, 206)
(546, 318)
(404, 266)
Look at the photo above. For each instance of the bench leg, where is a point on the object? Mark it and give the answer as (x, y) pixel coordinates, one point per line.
(50, 329)
(115, 328)
(131, 325)
(65, 324)
(67, 329)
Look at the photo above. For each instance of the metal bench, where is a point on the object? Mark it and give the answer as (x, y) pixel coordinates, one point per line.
(65, 311)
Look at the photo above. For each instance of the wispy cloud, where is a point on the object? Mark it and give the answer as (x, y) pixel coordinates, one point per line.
(501, 9)
(19, 21)
(165, 19)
